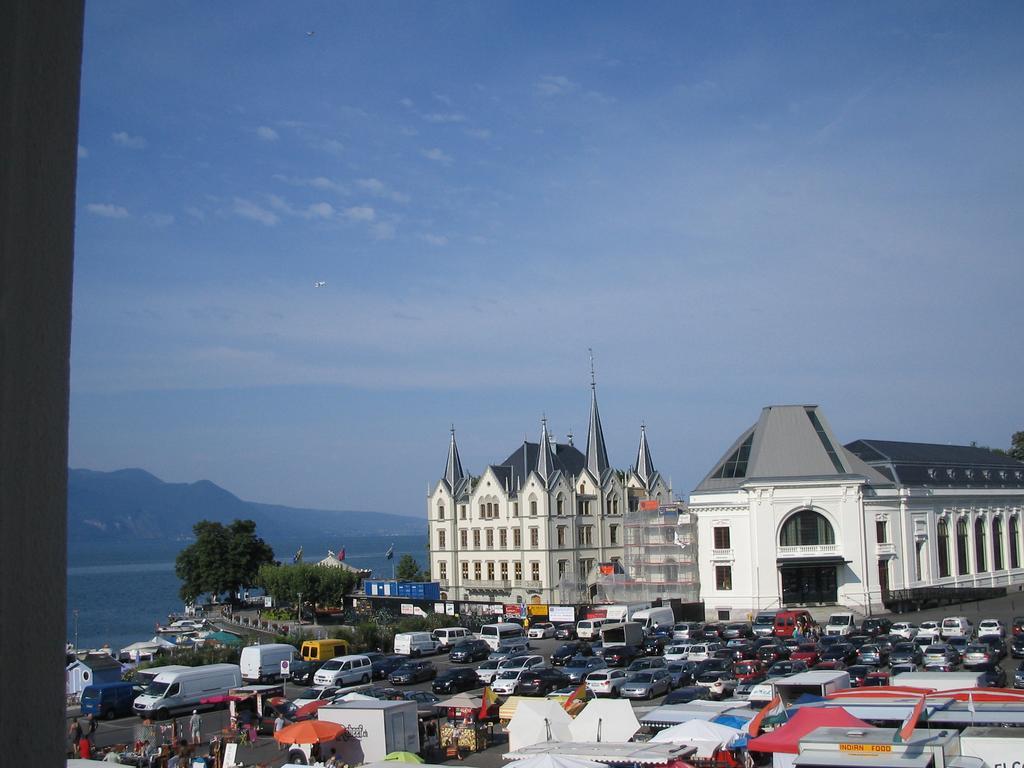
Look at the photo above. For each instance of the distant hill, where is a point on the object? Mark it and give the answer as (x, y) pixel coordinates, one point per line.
(132, 504)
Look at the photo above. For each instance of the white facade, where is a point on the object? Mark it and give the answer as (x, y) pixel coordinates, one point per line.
(797, 519)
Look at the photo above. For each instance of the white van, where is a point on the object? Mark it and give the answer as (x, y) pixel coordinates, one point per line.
(263, 662)
(652, 618)
(182, 689)
(840, 624)
(588, 629)
(957, 626)
(503, 636)
(447, 637)
(344, 670)
(415, 644)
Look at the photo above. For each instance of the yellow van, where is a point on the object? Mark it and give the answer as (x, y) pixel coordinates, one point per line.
(322, 650)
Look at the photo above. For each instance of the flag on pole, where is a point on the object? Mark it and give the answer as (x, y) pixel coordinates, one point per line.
(970, 706)
(574, 696)
(907, 727)
(298, 555)
(489, 697)
(773, 707)
(391, 552)
(341, 554)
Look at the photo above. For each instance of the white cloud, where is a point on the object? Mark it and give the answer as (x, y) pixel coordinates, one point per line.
(407, 131)
(332, 147)
(131, 142)
(406, 102)
(107, 210)
(446, 100)
(478, 133)
(360, 213)
(316, 182)
(159, 219)
(195, 213)
(436, 155)
(378, 188)
(266, 133)
(444, 117)
(555, 85)
(82, 152)
(434, 239)
(247, 209)
(383, 230)
(320, 211)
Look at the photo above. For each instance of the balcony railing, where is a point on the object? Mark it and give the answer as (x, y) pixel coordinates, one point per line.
(809, 550)
(722, 554)
(487, 584)
(885, 548)
(532, 584)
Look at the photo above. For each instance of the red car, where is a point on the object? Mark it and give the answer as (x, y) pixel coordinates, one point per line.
(807, 653)
(749, 670)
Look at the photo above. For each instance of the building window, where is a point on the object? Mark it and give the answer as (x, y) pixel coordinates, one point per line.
(517, 539)
(736, 464)
(1014, 543)
(723, 577)
(535, 570)
(534, 538)
(517, 571)
(440, 539)
(476, 570)
(504, 570)
(503, 538)
(515, 509)
(465, 571)
(587, 532)
(723, 539)
(979, 545)
(533, 508)
(442, 570)
(563, 566)
(476, 538)
(942, 534)
(962, 566)
(464, 538)
(440, 511)
(997, 544)
(483, 511)
(561, 535)
(881, 534)
(613, 535)
(490, 570)
(560, 505)
(917, 559)
(490, 538)
(806, 529)
(462, 511)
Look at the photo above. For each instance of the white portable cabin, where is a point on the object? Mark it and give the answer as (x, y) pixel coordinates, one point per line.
(93, 669)
(877, 748)
(374, 729)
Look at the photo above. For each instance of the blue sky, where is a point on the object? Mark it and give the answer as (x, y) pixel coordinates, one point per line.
(735, 205)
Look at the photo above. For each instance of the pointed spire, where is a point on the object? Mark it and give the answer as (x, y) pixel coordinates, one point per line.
(644, 467)
(597, 454)
(545, 459)
(453, 469)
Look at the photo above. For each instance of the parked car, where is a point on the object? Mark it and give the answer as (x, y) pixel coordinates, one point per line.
(996, 643)
(541, 630)
(741, 649)
(1017, 627)
(686, 630)
(1017, 646)
(517, 663)
(956, 626)
(621, 655)
(643, 664)
(734, 631)
(680, 674)
(687, 694)
(906, 653)
(720, 683)
(748, 670)
(412, 672)
(606, 682)
(991, 627)
(302, 672)
(487, 671)
(905, 629)
(978, 655)
(872, 655)
(316, 693)
(940, 653)
(858, 674)
(565, 631)
(843, 652)
(930, 629)
(831, 665)
(579, 667)
(541, 682)
(509, 649)
(875, 626)
(469, 651)
(647, 684)
(877, 677)
(769, 654)
(507, 682)
(901, 668)
(1018, 676)
(654, 645)
(381, 668)
(993, 676)
(676, 652)
(809, 653)
(455, 681)
(701, 651)
(566, 651)
(786, 668)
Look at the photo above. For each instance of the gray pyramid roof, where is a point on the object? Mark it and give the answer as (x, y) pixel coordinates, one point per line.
(597, 454)
(453, 467)
(644, 467)
(545, 459)
(788, 441)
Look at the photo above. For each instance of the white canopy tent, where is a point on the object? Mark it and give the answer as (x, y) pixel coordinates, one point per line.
(705, 736)
(538, 721)
(605, 720)
(555, 761)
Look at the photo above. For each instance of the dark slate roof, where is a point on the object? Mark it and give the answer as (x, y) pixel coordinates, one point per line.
(518, 466)
(940, 466)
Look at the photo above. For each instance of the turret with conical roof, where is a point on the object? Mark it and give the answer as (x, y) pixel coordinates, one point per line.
(644, 467)
(453, 468)
(597, 454)
(545, 459)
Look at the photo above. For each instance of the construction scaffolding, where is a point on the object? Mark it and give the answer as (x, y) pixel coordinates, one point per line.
(659, 557)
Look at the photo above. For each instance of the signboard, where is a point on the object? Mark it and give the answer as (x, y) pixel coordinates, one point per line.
(268, 601)
(648, 505)
(438, 607)
(561, 613)
(514, 610)
(684, 518)
(408, 609)
(286, 667)
(606, 569)
(597, 613)
(865, 747)
(537, 609)
(449, 608)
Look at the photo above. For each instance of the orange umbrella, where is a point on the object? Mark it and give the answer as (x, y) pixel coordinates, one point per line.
(308, 709)
(309, 732)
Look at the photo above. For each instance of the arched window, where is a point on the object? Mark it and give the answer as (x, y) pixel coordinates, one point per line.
(560, 505)
(440, 539)
(962, 567)
(533, 507)
(979, 545)
(1014, 542)
(997, 544)
(806, 528)
(942, 533)
(440, 511)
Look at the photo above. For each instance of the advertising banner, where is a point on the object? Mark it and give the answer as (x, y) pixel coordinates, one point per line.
(561, 613)
(408, 609)
(514, 610)
(537, 609)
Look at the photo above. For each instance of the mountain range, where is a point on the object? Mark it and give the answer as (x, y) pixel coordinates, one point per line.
(132, 504)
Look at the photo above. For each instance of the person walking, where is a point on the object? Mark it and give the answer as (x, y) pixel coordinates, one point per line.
(278, 725)
(75, 733)
(195, 725)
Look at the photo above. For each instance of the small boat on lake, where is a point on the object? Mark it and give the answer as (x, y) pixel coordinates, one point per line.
(184, 627)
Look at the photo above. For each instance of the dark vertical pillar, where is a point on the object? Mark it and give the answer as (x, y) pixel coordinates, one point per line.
(40, 67)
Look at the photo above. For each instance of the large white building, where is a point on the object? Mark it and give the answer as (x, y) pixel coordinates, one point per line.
(789, 516)
(535, 527)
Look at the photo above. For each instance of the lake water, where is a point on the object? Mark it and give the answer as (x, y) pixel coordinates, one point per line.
(122, 591)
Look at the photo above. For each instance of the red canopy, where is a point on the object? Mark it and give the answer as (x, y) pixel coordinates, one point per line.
(786, 738)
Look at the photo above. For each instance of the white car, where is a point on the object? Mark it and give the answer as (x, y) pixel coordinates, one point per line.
(702, 651)
(929, 628)
(676, 651)
(507, 682)
(991, 627)
(516, 663)
(316, 693)
(487, 671)
(606, 682)
(541, 630)
(905, 629)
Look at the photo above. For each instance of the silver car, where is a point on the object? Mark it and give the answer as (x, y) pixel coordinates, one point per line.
(646, 684)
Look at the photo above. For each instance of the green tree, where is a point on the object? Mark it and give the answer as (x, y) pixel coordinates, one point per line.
(1017, 446)
(317, 584)
(221, 559)
(408, 569)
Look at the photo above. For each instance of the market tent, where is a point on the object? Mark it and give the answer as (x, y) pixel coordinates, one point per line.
(538, 721)
(605, 720)
(806, 719)
(555, 761)
(707, 737)
(352, 696)
(403, 757)
(461, 701)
